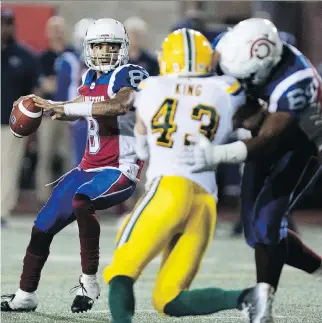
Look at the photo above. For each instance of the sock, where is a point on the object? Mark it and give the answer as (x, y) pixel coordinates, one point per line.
(203, 302)
(89, 233)
(121, 299)
(270, 260)
(36, 255)
(300, 255)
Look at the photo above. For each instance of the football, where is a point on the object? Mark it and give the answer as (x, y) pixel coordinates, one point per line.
(25, 118)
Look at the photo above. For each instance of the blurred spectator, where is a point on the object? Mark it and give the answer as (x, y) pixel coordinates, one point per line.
(70, 67)
(137, 30)
(52, 136)
(55, 31)
(285, 36)
(196, 19)
(19, 76)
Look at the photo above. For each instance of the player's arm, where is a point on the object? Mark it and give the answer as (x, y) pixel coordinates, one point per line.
(274, 126)
(120, 104)
(250, 115)
(122, 88)
(141, 141)
(205, 156)
(266, 127)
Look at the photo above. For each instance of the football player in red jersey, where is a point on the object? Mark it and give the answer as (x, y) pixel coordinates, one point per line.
(108, 172)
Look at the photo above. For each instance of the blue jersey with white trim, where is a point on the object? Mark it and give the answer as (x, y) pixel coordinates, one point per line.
(293, 86)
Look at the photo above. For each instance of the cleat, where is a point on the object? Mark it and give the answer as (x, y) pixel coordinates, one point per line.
(82, 304)
(87, 291)
(257, 303)
(19, 302)
(246, 300)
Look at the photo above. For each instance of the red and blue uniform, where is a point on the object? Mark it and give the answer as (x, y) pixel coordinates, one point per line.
(109, 169)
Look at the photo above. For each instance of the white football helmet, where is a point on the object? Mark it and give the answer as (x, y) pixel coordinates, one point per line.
(250, 50)
(79, 33)
(106, 31)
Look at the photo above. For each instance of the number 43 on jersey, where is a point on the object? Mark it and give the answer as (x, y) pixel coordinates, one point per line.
(163, 122)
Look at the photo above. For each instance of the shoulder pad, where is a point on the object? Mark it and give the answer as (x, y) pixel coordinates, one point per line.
(128, 75)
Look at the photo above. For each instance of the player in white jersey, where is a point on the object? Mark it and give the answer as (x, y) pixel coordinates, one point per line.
(172, 109)
(177, 214)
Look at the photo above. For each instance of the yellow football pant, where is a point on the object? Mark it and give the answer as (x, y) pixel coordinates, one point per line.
(175, 216)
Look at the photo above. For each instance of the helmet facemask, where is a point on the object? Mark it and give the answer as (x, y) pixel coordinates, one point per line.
(105, 55)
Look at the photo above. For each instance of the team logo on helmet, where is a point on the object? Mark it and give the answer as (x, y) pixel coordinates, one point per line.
(261, 48)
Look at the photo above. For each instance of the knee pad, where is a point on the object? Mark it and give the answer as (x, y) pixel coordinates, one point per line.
(39, 242)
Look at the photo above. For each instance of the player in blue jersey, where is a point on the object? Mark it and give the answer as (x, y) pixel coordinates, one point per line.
(276, 155)
(108, 172)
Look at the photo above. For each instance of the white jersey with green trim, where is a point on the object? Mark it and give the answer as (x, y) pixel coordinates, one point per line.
(173, 108)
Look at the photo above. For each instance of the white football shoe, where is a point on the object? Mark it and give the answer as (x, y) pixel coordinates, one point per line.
(257, 304)
(20, 302)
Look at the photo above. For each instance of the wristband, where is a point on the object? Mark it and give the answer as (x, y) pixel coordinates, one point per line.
(82, 109)
(234, 153)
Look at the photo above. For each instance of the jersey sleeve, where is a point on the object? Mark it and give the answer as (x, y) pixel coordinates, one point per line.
(235, 91)
(128, 75)
(295, 94)
(140, 95)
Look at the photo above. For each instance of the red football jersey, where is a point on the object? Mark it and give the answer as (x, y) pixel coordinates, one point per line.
(111, 141)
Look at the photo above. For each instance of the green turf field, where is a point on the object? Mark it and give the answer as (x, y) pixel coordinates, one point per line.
(228, 264)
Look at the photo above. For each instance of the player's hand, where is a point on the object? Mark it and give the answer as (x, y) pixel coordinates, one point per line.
(50, 107)
(198, 156)
(29, 96)
(58, 116)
